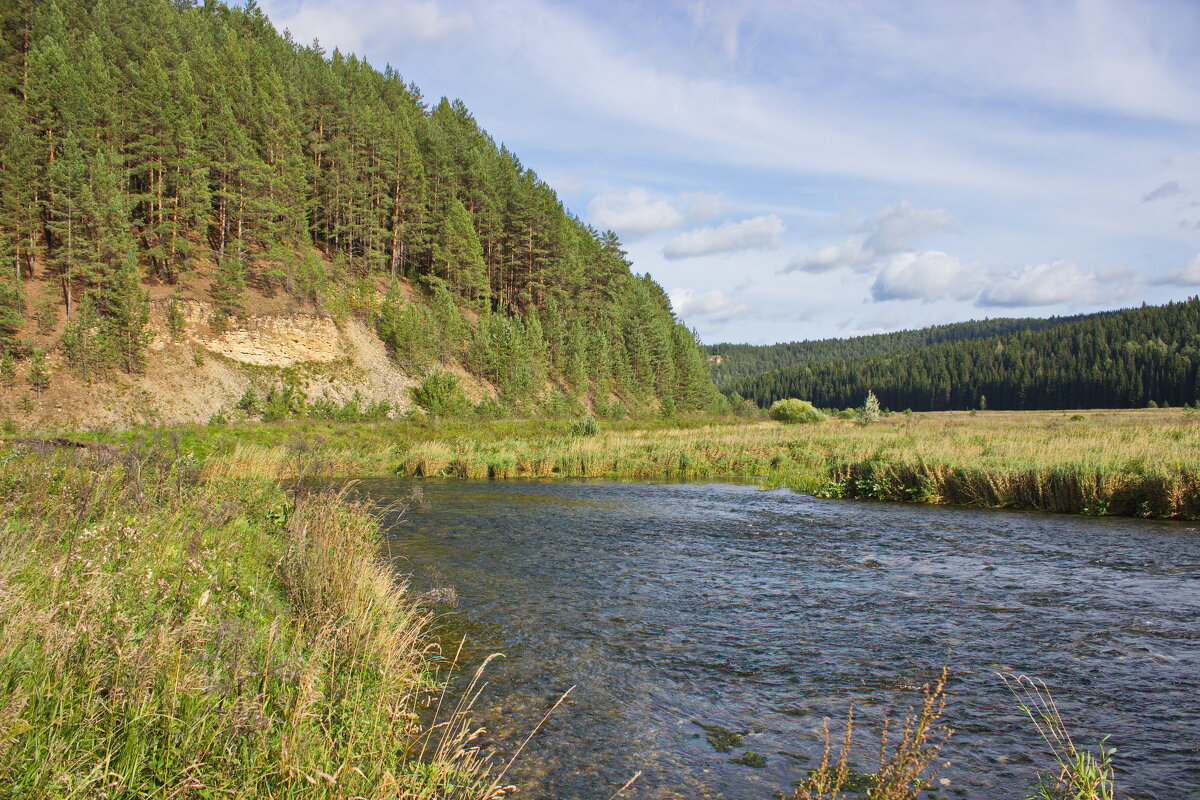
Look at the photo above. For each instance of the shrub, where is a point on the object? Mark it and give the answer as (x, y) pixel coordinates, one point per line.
(794, 411)
(489, 408)
(440, 393)
(39, 372)
(584, 426)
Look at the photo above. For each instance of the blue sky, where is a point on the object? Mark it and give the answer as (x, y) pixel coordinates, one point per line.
(794, 170)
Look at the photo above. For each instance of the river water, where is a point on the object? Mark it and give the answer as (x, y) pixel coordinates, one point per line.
(671, 607)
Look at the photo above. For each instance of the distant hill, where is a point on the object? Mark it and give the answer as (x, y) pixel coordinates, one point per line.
(1118, 359)
(732, 362)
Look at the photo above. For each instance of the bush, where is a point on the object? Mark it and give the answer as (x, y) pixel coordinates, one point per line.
(584, 426)
(440, 393)
(489, 408)
(794, 411)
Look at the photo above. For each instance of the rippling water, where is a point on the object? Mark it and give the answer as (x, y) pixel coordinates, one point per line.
(672, 606)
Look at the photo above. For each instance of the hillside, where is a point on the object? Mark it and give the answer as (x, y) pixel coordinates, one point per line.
(1123, 359)
(732, 362)
(176, 179)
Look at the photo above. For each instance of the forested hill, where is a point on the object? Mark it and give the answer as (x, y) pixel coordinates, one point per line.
(165, 145)
(1115, 360)
(734, 362)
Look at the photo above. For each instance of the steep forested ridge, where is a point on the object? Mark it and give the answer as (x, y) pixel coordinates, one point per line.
(733, 362)
(1114, 360)
(161, 142)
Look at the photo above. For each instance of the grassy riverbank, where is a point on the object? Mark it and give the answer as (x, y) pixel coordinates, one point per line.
(167, 635)
(179, 625)
(1131, 463)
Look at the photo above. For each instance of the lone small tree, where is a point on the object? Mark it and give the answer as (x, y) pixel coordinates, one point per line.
(869, 412)
(39, 373)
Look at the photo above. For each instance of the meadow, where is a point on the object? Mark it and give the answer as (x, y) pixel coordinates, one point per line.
(1143, 462)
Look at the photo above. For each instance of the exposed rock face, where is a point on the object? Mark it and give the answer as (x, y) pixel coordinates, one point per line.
(266, 341)
(207, 370)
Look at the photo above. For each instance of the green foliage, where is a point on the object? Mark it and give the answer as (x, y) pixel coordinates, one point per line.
(85, 349)
(1120, 359)
(8, 370)
(283, 401)
(46, 314)
(731, 363)
(584, 426)
(39, 372)
(12, 304)
(249, 402)
(219, 633)
(441, 394)
(490, 408)
(228, 288)
(794, 411)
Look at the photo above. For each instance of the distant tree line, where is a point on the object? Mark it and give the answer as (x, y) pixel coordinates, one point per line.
(166, 141)
(1120, 359)
(731, 362)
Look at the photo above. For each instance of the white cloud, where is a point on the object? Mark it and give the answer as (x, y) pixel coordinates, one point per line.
(756, 233)
(1047, 284)
(1188, 275)
(930, 275)
(895, 230)
(899, 227)
(638, 212)
(849, 253)
(712, 306)
(350, 24)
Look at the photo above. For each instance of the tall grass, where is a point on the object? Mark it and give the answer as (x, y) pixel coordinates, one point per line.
(1132, 463)
(1082, 775)
(163, 635)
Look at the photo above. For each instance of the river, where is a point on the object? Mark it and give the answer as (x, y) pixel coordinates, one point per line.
(680, 610)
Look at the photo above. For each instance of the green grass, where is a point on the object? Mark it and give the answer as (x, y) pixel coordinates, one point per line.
(1132, 463)
(162, 635)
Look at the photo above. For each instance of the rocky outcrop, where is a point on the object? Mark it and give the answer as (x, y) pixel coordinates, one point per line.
(261, 341)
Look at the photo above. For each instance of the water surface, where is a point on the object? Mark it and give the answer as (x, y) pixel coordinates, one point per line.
(676, 606)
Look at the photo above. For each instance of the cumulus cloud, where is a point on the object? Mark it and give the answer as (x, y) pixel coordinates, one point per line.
(637, 212)
(712, 306)
(1163, 192)
(756, 233)
(1188, 275)
(925, 276)
(1058, 281)
(896, 229)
